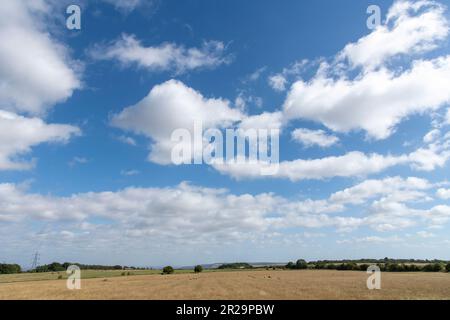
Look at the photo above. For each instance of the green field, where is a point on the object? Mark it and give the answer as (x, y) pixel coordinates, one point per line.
(86, 274)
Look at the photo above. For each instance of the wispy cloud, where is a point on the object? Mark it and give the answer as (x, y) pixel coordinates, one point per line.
(164, 57)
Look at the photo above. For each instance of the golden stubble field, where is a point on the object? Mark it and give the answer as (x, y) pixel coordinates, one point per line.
(277, 285)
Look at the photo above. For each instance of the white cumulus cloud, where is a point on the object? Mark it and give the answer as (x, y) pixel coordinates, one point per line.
(19, 134)
(170, 106)
(375, 102)
(411, 27)
(35, 69)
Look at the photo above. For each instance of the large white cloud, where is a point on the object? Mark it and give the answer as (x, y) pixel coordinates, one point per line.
(170, 106)
(35, 69)
(411, 27)
(19, 134)
(379, 94)
(375, 101)
(36, 72)
(167, 56)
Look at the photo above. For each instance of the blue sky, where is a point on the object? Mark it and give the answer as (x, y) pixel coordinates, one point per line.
(84, 117)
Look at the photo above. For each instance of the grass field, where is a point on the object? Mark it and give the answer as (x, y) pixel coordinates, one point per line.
(261, 284)
(86, 274)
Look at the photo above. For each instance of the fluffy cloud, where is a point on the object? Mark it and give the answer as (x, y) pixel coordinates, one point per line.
(265, 120)
(36, 72)
(168, 56)
(378, 97)
(19, 134)
(389, 215)
(170, 106)
(190, 213)
(35, 69)
(311, 138)
(443, 193)
(395, 188)
(352, 164)
(375, 102)
(410, 28)
(434, 155)
(195, 211)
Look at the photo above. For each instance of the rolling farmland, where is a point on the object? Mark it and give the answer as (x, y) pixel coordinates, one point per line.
(256, 284)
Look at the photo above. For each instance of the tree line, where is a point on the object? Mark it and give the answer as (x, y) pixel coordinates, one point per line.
(9, 268)
(349, 265)
(387, 265)
(56, 267)
(237, 265)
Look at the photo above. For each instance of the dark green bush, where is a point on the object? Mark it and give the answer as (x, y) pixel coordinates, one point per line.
(347, 266)
(447, 267)
(301, 264)
(168, 270)
(364, 267)
(320, 266)
(198, 269)
(432, 267)
(290, 265)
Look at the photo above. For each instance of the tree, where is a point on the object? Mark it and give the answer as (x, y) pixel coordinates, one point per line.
(168, 270)
(9, 268)
(301, 264)
(434, 267)
(320, 266)
(392, 267)
(198, 269)
(364, 267)
(290, 265)
(447, 267)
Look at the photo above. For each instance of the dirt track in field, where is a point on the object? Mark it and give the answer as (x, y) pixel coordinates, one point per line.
(311, 284)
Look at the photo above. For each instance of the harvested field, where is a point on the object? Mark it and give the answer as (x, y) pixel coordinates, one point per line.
(262, 284)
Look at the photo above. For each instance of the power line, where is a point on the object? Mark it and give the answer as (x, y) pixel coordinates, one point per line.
(35, 262)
